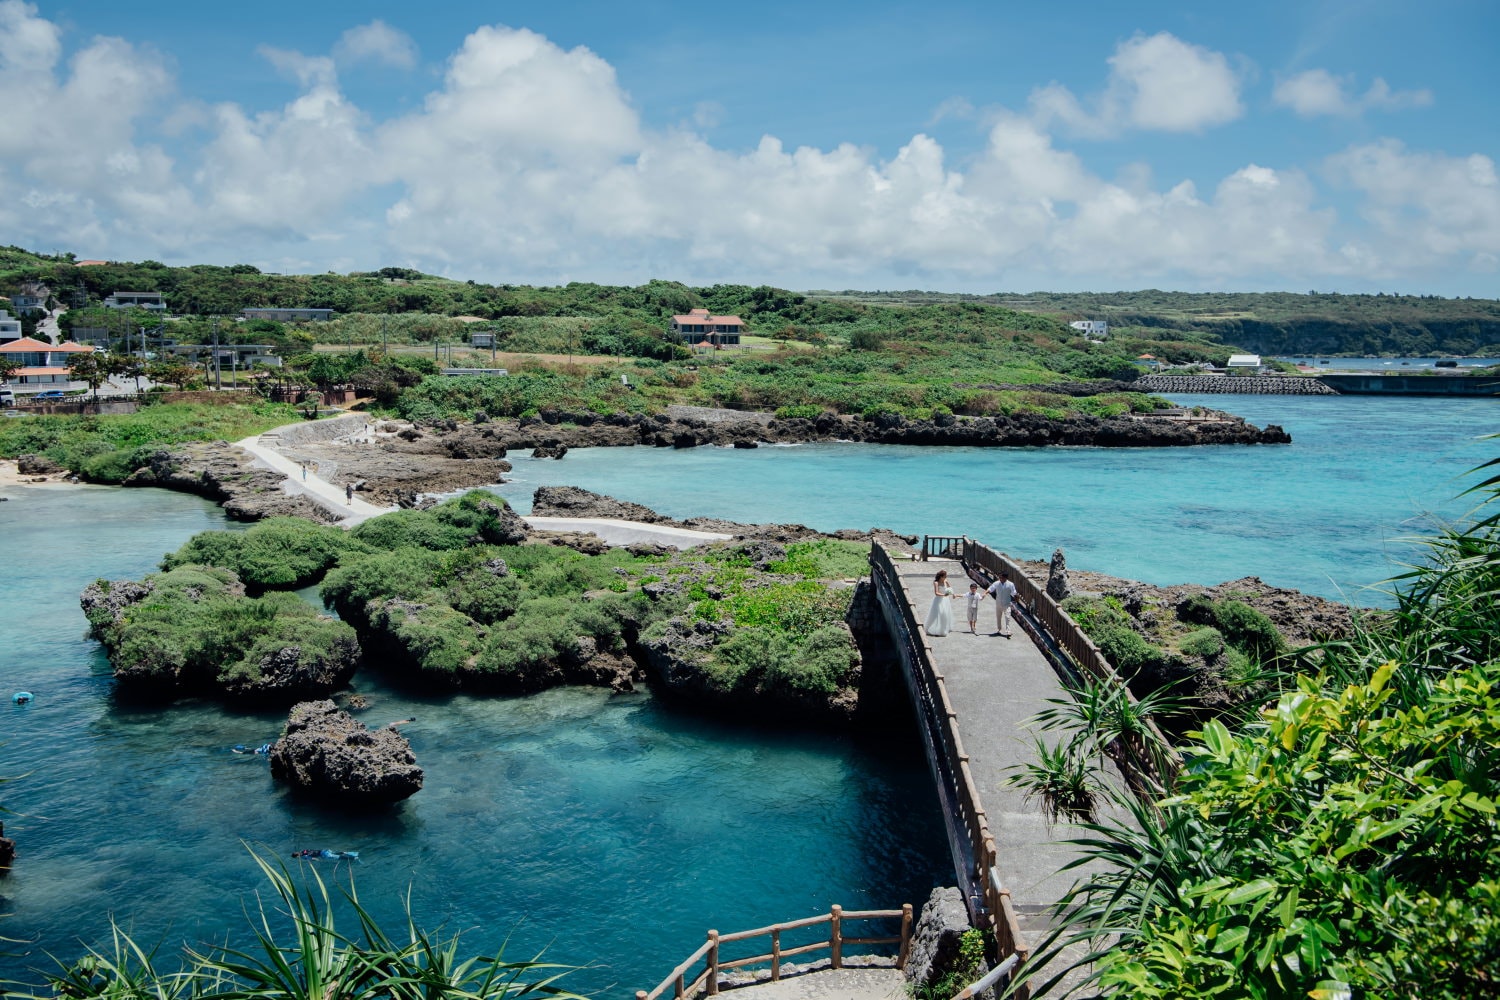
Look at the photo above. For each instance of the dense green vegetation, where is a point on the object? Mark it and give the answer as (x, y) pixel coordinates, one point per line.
(1267, 322)
(277, 553)
(107, 448)
(447, 598)
(197, 631)
(1339, 841)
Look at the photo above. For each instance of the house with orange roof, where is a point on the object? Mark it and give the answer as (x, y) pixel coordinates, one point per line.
(699, 327)
(41, 363)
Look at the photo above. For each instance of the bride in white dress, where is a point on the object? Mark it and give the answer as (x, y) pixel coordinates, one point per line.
(940, 615)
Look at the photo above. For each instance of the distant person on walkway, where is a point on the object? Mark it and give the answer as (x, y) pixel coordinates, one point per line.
(1004, 593)
(349, 494)
(972, 599)
(304, 472)
(940, 614)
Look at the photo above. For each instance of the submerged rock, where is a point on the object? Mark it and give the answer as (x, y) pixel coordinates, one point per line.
(327, 751)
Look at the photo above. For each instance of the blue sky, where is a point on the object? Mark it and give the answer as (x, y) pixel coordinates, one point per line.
(1338, 146)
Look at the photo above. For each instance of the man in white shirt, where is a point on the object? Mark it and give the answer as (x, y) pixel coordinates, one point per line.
(1004, 593)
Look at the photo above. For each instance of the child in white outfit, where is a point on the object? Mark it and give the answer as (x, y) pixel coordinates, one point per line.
(972, 599)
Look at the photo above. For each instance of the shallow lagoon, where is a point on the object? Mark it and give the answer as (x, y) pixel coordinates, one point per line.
(605, 829)
(1327, 514)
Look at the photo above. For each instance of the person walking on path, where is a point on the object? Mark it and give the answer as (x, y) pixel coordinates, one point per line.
(940, 614)
(1004, 593)
(304, 472)
(349, 494)
(972, 599)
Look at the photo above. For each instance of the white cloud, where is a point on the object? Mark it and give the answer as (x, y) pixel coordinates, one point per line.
(379, 43)
(529, 162)
(1428, 207)
(1156, 83)
(1318, 92)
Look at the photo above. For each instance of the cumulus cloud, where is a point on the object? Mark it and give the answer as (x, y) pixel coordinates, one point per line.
(529, 161)
(1318, 92)
(379, 43)
(1156, 83)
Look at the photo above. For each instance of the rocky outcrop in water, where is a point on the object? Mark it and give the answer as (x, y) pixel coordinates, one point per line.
(325, 751)
(222, 473)
(7, 852)
(557, 429)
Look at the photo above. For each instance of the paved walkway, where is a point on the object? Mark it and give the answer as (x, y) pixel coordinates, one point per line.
(995, 686)
(616, 532)
(303, 482)
(828, 984)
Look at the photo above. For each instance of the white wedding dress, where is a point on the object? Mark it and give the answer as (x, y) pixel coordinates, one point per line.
(940, 615)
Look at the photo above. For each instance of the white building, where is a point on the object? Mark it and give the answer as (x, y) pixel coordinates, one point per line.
(1244, 362)
(136, 300)
(1094, 329)
(10, 328)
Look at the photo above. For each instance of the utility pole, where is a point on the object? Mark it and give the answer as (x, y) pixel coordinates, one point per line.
(218, 382)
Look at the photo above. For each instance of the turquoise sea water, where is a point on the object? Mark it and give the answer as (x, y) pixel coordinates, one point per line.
(604, 829)
(609, 829)
(1326, 514)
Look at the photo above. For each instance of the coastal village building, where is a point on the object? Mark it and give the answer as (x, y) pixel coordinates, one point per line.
(28, 302)
(230, 355)
(1094, 329)
(1244, 362)
(290, 315)
(41, 363)
(136, 300)
(699, 328)
(10, 328)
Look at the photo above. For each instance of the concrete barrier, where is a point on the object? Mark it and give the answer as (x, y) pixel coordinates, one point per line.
(1260, 385)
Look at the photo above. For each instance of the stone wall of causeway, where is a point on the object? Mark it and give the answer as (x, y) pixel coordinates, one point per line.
(1261, 385)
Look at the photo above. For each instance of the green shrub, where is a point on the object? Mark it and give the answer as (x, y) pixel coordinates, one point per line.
(426, 635)
(803, 411)
(278, 552)
(1250, 630)
(799, 608)
(1205, 642)
(825, 559)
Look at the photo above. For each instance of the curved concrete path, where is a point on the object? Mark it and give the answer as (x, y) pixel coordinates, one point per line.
(619, 533)
(302, 482)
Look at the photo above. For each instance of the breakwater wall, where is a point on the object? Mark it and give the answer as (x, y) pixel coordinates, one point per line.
(1259, 385)
(316, 430)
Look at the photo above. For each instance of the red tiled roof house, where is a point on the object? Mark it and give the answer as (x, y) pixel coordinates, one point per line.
(698, 327)
(41, 363)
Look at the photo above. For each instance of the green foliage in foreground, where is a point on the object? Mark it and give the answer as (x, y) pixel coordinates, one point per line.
(106, 448)
(1344, 842)
(299, 951)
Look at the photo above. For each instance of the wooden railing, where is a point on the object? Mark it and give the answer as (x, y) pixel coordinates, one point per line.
(1038, 610)
(970, 839)
(714, 962)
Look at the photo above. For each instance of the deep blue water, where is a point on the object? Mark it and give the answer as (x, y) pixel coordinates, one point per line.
(1327, 514)
(604, 829)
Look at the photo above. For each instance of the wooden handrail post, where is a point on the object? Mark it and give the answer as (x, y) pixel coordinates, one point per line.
(713, 963)
(776, 955)
(905, 937)
(836, 936)
(641, 995)
(678, 990)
